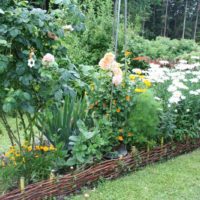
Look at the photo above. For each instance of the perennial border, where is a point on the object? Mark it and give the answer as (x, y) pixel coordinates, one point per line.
(109, 169)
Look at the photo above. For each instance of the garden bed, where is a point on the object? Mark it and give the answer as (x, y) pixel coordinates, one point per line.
(110, 169)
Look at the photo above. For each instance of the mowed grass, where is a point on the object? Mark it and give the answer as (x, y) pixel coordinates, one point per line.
(177, 179)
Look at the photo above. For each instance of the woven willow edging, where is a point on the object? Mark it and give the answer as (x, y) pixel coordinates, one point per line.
(110, 169)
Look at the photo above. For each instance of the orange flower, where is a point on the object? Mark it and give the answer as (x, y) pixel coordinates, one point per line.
(107, 61)
(118, 110)
(128, 98)
(141, 58)
(127, 53)
(120, 138)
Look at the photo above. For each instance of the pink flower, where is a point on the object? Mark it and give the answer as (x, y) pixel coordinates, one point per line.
(117, 80)
(106, 62)
(48, 58)
(115, 68)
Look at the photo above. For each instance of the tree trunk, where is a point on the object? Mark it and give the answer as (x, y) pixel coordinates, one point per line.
(196, 22)
(166, 16)
(143, 26)
(184, 21)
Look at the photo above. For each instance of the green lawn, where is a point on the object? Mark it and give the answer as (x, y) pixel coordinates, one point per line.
(177, 179)
(4, 140)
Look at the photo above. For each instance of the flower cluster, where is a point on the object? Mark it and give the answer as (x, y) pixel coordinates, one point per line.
(14, 154)
(108, 62)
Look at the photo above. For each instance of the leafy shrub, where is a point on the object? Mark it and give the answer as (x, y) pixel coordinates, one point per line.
(27, 85)
(161, 48)
(90, 144)
(144, 118)
(90, 45)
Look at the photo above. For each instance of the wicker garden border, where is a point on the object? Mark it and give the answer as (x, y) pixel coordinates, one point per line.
(109, 169)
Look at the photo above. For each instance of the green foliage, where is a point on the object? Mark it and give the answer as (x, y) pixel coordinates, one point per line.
(60, 123)
(90, 144)
(161, 48)
(90, 45)
(144, 118)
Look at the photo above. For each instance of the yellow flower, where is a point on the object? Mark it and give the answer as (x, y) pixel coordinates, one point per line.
(29, 148)
(118, 110)
(120, 138)
(37, 148)
(140, 90)
(17, 155)
(7, 154)
(147, 82)
(45, 148)
(128, 98)
(141, 76)
(127, 53)
(132, 77)
(114, 102)
(52, 148)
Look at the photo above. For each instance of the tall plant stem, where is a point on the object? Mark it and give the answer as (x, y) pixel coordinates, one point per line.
(115, 47)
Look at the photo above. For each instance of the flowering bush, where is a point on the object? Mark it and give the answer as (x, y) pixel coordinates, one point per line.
(113, 94)
(35, 71)
(178, 89)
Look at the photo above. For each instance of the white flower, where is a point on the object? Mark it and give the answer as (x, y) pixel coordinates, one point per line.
(183, 61)
(188, 110)
(157, 98)
(194, 92)
(31, 62)
(86, 195)
(194, 80)
(195, 57)
(179, 84)
(172, 88)
(164, 62)
(68, 28)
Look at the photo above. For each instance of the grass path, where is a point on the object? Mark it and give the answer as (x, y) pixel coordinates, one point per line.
(177, 179)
